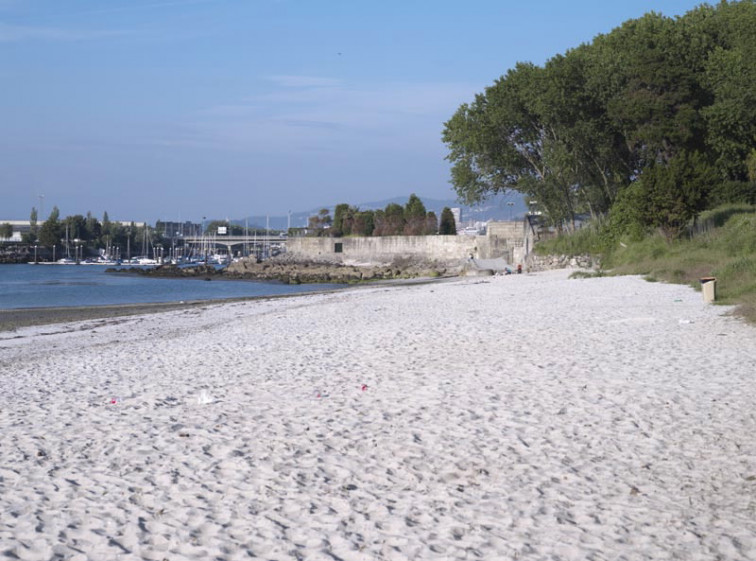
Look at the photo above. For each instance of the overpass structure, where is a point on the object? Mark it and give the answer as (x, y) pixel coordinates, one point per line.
(243, 244)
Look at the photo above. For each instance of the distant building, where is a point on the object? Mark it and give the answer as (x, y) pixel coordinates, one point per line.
(20, 227)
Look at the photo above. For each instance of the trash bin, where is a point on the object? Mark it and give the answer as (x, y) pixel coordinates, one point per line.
(709, 289)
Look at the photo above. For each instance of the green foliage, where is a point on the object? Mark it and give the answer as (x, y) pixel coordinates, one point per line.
(31, 235)
(730, 74)
(394, 220)
(414, 217)
(649, 124)
(671, 195)
(586, 240)
(625, 218)
(362, 223)
(339, 214)
(448, 226)
(414, 207)
(106, 224)
(733, 192)
(656, 104)
(431, 223)
(93, 227)
(722, 244)
(77, 227)
(751, 166)
(718, 217)
(50, 233)
(6, 230)
(351, 221)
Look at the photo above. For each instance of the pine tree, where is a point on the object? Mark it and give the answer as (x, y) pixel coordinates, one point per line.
(448, 225)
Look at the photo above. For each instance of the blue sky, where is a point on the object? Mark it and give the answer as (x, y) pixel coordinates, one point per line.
(178, 109)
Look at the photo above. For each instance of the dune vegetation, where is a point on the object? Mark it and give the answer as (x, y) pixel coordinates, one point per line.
(720, 243)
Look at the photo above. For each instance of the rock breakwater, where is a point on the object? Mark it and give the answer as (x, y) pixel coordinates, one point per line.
(291, 271)
(298, 271)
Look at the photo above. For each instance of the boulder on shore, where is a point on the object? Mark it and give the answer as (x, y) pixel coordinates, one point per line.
(171, 271)
(295, 271)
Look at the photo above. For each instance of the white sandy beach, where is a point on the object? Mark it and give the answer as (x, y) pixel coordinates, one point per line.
(518, 417)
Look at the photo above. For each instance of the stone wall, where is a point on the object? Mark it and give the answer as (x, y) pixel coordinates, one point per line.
(502, 240)
(384, 249)
(506, 230)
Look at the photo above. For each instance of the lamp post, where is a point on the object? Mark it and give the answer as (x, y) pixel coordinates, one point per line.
(53, 253)
(35, 254)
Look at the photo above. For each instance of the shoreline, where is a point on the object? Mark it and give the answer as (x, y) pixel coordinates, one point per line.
(15, 318)
(12, 319)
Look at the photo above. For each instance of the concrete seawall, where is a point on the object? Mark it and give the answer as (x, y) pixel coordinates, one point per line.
(503, 240)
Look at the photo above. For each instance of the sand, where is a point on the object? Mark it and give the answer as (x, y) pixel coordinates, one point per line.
(514, 417)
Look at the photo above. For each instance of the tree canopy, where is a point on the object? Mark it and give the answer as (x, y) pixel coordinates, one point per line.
(669, 103)
(412, 219)
(448, 226)
(6, 230)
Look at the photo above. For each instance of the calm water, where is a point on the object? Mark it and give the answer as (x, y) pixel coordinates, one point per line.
(42, 286)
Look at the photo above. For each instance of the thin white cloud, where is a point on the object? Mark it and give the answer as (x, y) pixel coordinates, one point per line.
(16, 33)
(306, 112)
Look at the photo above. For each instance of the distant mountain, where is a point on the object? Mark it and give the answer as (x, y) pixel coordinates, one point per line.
(495, 208)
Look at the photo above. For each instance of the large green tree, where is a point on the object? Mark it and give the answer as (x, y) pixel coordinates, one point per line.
(77, 227)
(448, 226)
(6, 230)
(670, 195)
(414, 216)
(648, 98)
(394, 220)
(502, 141)
(50, 231)
(431, 223)
(340, 213)
(93, 228)
(31, 236)
(363, 223)
(730, 76)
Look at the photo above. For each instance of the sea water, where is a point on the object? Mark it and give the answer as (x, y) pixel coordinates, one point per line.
(49, 286)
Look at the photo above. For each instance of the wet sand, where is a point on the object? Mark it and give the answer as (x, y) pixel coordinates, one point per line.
(26, 317)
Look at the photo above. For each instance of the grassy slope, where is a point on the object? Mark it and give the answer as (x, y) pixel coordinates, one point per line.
(722, 244)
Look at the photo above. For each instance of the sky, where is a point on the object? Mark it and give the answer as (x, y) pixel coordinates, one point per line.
(183, 109)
